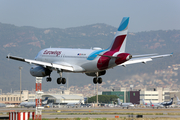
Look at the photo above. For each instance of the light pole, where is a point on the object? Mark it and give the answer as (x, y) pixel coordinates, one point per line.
(20, 68)
(97, 94)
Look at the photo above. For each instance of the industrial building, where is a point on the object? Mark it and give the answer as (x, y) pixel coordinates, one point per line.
(125, 96)
(156, 95)
(61, 98)
(14, 98)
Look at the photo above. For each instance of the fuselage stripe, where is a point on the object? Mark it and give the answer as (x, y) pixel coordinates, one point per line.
(118, 43)
(103, 61)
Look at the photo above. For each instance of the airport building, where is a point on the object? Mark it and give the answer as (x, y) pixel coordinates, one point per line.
(125, 96)
(156, 95)
(14, 98)
(58, 98)
(64, 99)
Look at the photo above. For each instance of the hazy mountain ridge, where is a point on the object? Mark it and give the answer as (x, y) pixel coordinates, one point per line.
(28, 41)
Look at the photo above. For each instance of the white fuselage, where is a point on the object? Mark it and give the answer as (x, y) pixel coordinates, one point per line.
(82, 60)
(126, 105)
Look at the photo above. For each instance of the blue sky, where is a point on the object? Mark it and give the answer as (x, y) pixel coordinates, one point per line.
(144, 15)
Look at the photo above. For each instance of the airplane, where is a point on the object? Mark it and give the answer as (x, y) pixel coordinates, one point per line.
(33, 104)
(2, 105)
(156, 105)
(73, 105)
(93, 62)
(165, 104)
(123, 105)
(24, 103)
(146, 104)
(178, 101)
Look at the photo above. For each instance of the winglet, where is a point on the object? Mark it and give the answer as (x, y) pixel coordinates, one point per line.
(171, 54)
(8, 56)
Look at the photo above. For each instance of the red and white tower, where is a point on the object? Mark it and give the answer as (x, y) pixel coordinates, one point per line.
(38, 98)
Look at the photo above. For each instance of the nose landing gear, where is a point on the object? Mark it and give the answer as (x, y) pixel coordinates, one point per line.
(48, 79)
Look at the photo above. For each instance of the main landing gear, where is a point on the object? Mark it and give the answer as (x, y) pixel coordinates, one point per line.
(97, 79)
(59, 80)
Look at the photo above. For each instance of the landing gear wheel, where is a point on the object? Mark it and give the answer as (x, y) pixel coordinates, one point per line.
(48, 79)
(95, 80)
(59, 80)
(63, 80)
(99, 80)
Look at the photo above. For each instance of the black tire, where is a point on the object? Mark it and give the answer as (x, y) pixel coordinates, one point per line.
(63, 80)
(48, 79)
(59, 80)
(99, 80)
(95, 80)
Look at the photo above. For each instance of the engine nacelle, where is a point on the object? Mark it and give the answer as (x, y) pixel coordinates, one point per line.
(39, 71)
(93, 74)
(123, 57)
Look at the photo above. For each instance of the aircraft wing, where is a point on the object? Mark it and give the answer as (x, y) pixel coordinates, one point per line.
(44, 64)
(140, 59)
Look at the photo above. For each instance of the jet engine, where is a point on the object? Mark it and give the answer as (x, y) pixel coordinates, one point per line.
(123, 57)
(39, 71)
(93, 74)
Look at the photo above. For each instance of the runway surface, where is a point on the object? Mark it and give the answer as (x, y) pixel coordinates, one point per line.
(99, 112)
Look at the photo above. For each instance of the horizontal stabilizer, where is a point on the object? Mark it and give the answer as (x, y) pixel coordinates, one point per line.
(143, 59)
(144, 55)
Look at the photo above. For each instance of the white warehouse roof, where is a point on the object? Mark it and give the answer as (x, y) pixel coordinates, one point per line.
(64, 96)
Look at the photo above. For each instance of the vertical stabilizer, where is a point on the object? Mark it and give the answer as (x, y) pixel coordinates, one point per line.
(178, 99)
(119, 41)
(171, 100)
(143, 101)
(79, 101)
(150, 102)
(119, 102)
(45, 101)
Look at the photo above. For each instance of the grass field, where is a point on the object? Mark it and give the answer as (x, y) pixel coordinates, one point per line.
(128, 113)
(120, 118)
